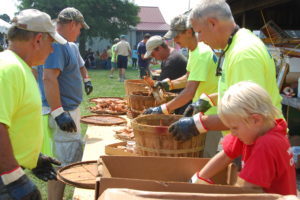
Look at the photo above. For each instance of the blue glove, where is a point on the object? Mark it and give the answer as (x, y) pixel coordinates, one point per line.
(153, 110)
(44, 169)
(184, 129)
(19, 186)
(65, 122)
(157, 110)
(164, 84)
(88, 87)
(201, 105)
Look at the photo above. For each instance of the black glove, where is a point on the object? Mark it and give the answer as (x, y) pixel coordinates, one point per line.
(44, 169)
(183, 129)
(88, 87)
(201, 105)
(164, 84)
(21, 189)
(65, 122)
(154, 110)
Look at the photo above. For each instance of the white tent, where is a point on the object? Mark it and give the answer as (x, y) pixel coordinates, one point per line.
(4, 26)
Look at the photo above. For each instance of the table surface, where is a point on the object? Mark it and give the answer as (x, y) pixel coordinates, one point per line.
(96, 138)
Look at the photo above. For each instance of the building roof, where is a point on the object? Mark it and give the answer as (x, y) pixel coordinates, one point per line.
(254, 14)
(151, 19)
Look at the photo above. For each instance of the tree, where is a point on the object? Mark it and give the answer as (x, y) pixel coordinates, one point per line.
(106, 18)
(5, 17)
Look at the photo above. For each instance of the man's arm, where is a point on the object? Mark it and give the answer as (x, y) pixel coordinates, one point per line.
(168, 84)
(7, 159)
(62, 118)
(84, 72)
(184, 97)
(88, 87)
(180, 82)
(213, 123)
(143, 57)
(52, 88)
(15, 181)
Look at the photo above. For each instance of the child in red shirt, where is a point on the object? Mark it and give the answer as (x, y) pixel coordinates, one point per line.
(267, 160)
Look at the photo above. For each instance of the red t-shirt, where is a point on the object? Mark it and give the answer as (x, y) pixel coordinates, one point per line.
(268, 162)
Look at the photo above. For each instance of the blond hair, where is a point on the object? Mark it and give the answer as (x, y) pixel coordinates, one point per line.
(245, 98)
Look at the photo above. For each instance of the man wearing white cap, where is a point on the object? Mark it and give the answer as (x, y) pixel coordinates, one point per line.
(30, 38)
(61, 78)
(173, 65)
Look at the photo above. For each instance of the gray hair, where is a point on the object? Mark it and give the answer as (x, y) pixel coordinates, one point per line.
(218, 9)
(15, 33)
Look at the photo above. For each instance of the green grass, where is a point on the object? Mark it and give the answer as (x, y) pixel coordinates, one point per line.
(103, 87)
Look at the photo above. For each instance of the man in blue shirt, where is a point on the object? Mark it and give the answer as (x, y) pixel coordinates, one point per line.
(63, 74)
(143, 62)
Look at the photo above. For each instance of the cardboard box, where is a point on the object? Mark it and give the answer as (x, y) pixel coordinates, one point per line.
(165, 174)
(112, 149)
(129, 194)
(294, 64)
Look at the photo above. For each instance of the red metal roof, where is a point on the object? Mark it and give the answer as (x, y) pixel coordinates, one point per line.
(151, 19)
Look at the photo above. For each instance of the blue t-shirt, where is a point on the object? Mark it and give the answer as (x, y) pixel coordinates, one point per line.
(68, 60)
(134, 54)
(141, 49)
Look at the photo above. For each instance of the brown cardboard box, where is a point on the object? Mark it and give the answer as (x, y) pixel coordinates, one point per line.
(169, 174)
(129, 194)
(112, 149)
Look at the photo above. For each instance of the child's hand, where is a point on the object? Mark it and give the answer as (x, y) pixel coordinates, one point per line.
(200, 180)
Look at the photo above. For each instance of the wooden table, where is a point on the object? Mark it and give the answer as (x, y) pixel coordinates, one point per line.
(95, 140)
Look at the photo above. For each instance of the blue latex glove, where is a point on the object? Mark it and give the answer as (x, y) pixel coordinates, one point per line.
(44, 169)
(184, 129)
(23, 188)
(154, 110)
(65, 122)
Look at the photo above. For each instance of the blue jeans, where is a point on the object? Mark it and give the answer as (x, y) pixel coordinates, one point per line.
(3, 192)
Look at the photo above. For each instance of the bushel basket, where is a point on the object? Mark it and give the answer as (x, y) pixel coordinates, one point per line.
(153, 138)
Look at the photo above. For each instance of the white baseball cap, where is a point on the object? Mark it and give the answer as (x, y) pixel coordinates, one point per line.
(37, 21)
(152, 43)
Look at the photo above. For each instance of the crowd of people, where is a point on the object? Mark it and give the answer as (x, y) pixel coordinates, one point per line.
(227, 97)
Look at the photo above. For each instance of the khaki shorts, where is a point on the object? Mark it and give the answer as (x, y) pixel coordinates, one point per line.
(67, 147)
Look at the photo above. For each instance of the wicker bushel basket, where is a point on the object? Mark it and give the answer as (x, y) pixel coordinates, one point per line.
(136, 85)
(139, 103)
(153, 139)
